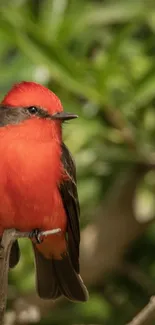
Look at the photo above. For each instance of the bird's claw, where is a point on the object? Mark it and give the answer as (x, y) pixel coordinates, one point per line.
(36, 236)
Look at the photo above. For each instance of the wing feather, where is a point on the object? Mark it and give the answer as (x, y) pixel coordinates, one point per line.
(69, 194)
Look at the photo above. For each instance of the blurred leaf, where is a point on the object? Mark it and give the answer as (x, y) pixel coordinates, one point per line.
(144, 203)
(51, 17)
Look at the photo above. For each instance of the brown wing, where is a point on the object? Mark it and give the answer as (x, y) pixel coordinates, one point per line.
(56, 277)
(68, 190)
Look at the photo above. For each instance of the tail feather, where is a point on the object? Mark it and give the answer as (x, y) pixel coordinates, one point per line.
(58, 277)
(46, 282)
(70, 283)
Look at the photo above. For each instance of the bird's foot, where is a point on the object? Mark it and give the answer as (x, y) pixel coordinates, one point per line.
(36, 235)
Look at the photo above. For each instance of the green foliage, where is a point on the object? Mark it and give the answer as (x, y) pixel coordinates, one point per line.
(99, 58)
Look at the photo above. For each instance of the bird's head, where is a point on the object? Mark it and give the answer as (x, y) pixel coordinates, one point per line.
(34, 108)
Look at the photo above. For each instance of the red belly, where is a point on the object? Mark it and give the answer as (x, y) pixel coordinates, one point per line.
(44, 212)
(29, 194)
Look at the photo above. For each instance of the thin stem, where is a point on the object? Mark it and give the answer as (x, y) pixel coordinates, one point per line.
(146, 315)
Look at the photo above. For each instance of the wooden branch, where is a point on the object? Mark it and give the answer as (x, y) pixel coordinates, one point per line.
(146, 315)
(9, 236)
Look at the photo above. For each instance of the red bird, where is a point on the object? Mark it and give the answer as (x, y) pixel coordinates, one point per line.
(38, 187)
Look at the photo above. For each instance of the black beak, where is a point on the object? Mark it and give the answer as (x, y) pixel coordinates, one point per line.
(63, 116)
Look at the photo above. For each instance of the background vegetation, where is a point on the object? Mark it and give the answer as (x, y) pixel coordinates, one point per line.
(99, 58)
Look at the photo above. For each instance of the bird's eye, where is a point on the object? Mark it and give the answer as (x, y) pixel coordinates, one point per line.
(32, 110)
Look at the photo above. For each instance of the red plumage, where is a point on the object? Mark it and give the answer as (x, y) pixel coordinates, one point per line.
(26, 93)
(31, 166)
(31, 170)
